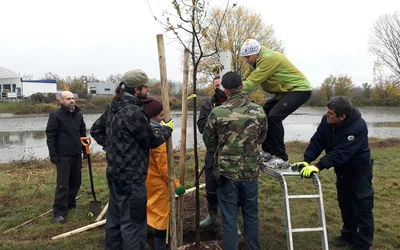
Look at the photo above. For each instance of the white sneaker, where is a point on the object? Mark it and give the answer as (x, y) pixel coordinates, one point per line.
(277, 162)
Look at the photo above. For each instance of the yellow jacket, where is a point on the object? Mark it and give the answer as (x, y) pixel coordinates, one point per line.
(157, 188)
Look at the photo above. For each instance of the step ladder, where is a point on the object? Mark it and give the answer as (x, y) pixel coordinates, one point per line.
(280, 175)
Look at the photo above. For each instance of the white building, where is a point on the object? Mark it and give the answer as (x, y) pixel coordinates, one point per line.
(30, 87)
(102, 88)
(10, 84)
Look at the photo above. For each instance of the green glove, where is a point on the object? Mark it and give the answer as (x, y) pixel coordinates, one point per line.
(298, 166)
(307, 171)
(180, 190)
(169, 124)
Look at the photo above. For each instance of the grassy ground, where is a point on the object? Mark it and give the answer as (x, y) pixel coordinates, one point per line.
(27, 190)
(10, 107)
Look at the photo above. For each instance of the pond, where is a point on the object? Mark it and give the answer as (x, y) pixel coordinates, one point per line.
(22, 137)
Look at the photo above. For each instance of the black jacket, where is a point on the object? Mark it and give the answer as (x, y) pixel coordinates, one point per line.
(125, 132)
(346, 146)
(64, 130)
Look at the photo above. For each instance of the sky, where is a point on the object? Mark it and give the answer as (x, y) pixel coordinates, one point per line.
(102, 37)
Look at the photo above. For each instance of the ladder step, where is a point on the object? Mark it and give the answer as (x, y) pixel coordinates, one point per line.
(313, 229)
(304, 196)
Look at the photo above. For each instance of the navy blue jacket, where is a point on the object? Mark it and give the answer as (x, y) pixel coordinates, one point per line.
(346, 146)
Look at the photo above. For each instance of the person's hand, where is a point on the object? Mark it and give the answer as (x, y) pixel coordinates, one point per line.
(169, 124)
(180, 190)
(54, 159)
(309, 170)
(298, 166)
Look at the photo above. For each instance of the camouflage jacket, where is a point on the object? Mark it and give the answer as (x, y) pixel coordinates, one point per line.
(235, 129)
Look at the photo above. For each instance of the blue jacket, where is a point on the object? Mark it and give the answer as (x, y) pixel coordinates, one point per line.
(346, 146)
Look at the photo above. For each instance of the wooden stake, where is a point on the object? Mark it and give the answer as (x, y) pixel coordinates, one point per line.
(103, 212)
(79, 230)
(167, 117)
(183, 143)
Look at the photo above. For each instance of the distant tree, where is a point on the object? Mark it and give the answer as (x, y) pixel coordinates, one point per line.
(27, 77)
(62, 85)
(343, 86)
(79, 87)
(227, 31)
(114, 78)
(384, 41)
(326, 89)
(50, 76)
(386, 90)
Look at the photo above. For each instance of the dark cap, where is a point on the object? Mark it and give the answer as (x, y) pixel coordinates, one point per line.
(152, 107)
(135, 78)
(231, 80)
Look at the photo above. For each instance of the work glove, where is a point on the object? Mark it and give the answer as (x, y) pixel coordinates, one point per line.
(309, 170)
(169, 124)
(298, 166)
(180, 190)
(54, 159)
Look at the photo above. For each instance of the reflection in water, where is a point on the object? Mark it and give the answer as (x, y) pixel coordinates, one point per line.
(24, 136)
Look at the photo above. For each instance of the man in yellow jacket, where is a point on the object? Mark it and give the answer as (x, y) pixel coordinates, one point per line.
(275, 74)
(157, 179)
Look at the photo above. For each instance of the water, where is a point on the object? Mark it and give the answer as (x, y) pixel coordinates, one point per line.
(23, 137)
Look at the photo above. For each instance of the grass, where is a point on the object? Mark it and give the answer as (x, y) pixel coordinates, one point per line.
(10, 107)
(27, 190)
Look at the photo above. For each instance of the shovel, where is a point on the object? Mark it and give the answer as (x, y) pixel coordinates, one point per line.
(95, 206)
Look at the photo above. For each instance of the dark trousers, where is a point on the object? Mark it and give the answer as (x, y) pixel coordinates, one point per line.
(229, 194)
(211, 184)
(276, 111)
(356, 201)
(126, 224)
(69, 179)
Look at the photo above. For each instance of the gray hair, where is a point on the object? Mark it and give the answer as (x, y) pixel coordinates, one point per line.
(341, 105)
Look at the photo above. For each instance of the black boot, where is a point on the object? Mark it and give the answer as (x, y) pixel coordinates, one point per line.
(159, 244)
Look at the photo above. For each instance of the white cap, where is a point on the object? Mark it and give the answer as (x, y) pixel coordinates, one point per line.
(250, 47)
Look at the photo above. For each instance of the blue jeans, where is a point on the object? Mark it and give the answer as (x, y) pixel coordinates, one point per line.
(246, 192)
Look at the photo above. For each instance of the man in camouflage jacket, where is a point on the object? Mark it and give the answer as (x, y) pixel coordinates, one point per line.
(236, 129)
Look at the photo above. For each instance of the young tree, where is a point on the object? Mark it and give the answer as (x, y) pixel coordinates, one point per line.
(384, 41)
(188, 25)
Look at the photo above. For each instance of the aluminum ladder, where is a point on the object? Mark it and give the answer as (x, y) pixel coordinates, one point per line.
(280, 175)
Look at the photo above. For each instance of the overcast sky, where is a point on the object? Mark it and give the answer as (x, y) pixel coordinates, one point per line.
(81, 37)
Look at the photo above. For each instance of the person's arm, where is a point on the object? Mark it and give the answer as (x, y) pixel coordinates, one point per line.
(265, 68)
(205, 110)
(98, 129)
(210, 136)
(51, 132)
(140, 128)
(264, 127)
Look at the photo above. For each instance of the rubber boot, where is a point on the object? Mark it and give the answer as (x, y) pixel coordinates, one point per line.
(212, 215)
(159, 244)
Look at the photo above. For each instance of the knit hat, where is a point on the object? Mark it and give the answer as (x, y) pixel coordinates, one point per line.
(135, 78)
(152, 107)
(231, 80)
(250, 47)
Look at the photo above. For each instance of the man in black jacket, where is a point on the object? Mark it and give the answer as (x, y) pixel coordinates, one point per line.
(343, 134)
(64, 129)
(211, 185)
(125, 132)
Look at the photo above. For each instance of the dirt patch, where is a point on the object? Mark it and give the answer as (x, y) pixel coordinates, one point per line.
(210, 238)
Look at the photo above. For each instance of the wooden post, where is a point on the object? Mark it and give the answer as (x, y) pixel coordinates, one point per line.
(167, 117)
(183, 143)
